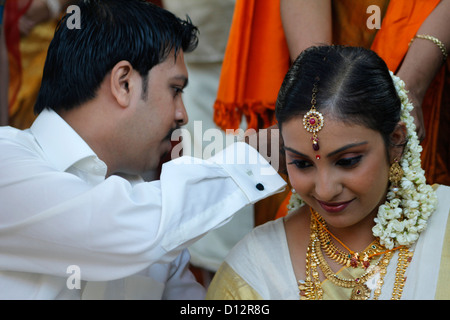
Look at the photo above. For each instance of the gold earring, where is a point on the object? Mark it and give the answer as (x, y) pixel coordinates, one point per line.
(395, 175)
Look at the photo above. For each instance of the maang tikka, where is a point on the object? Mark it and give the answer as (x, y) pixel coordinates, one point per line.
(313, 119)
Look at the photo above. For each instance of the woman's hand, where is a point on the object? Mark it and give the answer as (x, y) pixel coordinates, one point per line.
(417, 115)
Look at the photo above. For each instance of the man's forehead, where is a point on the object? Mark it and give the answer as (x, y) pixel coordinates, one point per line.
(173, 68)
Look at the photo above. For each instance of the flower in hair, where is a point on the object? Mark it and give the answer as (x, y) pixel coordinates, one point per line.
(404, 215)
(295, 202)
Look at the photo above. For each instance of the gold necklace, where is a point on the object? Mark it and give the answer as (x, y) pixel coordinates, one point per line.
(315, 260)
(360, 290)
(311, 288)
(404, 258)
(353, 259)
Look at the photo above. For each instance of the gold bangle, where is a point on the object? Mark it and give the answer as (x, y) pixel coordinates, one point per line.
(435, 40)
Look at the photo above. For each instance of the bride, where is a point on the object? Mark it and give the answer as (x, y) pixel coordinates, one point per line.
(363, 223)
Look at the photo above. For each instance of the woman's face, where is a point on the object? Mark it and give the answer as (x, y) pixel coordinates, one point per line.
(346, 179)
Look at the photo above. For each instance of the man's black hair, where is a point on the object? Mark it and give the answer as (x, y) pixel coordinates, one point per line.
(111, 31)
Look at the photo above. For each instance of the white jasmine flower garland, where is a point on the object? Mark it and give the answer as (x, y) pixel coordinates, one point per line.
(404, 215)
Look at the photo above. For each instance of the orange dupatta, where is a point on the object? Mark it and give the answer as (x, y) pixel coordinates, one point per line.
(401, 23)
(256, 61)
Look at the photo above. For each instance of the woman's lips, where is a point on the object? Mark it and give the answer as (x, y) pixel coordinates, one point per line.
(334, 206)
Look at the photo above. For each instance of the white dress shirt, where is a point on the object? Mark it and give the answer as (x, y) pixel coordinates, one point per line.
(58, 210)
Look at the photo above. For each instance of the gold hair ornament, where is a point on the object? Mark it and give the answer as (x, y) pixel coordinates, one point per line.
(313, 119)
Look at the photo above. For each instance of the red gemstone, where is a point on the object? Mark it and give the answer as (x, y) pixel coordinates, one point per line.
(315, 146)
(312, 121)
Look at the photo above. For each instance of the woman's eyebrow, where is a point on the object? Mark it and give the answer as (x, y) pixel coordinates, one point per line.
(348, 146)
(295, 152)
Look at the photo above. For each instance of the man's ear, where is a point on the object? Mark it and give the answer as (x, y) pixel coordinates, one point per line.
(121, 83)
(399, 138)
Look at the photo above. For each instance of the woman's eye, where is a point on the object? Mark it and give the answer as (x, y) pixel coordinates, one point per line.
(349, 162)
(301, 164)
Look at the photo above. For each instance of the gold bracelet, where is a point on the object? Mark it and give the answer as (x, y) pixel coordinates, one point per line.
(435, 40)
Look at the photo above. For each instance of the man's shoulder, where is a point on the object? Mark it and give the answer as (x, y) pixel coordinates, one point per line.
(11, 134)
(15, 139)
(7, 131)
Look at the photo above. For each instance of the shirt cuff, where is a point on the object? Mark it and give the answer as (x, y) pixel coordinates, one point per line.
(250, 171)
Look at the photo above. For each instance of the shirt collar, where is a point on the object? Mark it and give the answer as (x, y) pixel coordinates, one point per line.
(62, 145)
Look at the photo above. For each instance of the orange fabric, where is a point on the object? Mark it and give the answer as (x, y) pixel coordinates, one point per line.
(257, 57)
(436, 145)
(399, 26)
(401, 23)
(350, 21)
(282, 210)
(255, 63)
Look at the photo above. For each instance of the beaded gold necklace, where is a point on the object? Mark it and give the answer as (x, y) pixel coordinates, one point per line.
(352, 258)
(311, 288)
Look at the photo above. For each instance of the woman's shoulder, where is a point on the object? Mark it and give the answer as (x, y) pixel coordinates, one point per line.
(267, 234)
(262, 260)
(276, 231)
(297, 226)
(266, 241)
(443, 197)
(441, 188)
(273, 238)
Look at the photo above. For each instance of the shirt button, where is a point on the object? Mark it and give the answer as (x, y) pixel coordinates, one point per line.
(260, 187)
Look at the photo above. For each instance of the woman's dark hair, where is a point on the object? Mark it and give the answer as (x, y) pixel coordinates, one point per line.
(354, 86)
(111, 30)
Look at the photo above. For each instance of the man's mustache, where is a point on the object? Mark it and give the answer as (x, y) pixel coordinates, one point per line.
(171, 131)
